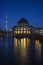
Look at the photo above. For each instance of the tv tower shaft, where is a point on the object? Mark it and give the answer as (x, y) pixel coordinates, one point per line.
(6, 22)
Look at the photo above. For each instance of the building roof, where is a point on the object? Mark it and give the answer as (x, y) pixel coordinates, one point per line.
(23, 20)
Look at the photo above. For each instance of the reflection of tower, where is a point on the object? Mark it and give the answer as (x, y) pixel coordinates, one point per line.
(6, 20)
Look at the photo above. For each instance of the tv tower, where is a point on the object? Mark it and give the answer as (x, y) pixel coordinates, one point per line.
(6, 21)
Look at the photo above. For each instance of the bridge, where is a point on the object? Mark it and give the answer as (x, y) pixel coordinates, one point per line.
(31, 36)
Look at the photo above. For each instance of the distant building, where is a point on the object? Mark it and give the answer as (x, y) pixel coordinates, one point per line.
(40, 31)
(22, 27)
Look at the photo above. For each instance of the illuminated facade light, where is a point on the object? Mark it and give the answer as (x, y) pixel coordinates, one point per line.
(22, 27)
(18, 32)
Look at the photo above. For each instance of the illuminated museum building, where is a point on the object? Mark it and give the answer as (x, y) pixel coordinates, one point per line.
(22, 27)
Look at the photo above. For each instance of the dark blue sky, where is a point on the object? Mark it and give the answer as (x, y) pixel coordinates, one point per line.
(32, 10)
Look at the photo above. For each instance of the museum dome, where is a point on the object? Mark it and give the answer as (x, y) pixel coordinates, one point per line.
(23, 21)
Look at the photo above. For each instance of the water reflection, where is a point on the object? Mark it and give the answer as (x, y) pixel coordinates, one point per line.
(6, 52)
(27, 50)
(23, 42)
(21, 48)
(20, 51)
(38, 49)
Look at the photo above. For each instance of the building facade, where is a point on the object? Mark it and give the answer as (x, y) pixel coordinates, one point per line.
(22, 27)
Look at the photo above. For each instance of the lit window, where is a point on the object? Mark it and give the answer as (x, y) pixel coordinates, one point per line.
(18, 28)
(24, 32)
(15, 32)
(24, 28)
(28, 32)
(21, 32)
(18, 32)
(21, 28)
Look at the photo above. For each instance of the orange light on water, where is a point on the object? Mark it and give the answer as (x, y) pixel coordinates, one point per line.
(38, 49)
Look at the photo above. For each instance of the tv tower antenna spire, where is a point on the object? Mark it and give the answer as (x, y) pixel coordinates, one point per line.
(6, 21)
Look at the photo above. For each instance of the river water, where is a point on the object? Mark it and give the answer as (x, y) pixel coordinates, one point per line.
(20, 51)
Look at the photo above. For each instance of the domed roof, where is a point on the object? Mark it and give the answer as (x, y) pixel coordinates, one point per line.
(23, 20)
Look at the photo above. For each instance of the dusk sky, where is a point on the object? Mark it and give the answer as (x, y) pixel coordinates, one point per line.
(32, 10)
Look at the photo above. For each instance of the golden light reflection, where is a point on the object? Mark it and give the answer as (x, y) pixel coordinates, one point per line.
(38, 49)
(23, 42)
(28, 42)
(18, 43)
(15, 42)
(21, 47)
(25, 39)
